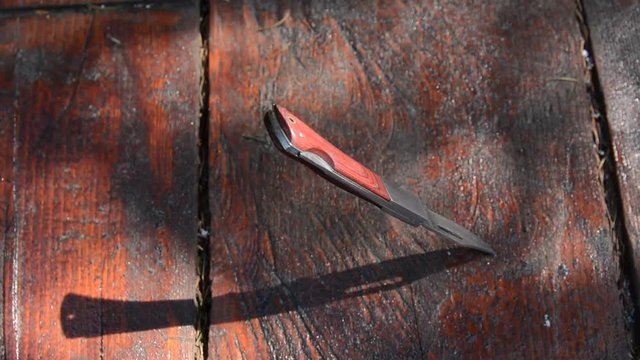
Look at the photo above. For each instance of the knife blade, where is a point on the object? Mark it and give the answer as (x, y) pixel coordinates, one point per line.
(296, 139)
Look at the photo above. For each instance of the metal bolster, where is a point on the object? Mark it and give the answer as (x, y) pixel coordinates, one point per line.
(277, 134)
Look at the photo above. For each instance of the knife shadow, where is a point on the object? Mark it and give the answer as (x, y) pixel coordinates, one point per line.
(83, 316)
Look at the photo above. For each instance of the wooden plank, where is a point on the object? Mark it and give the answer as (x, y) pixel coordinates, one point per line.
(42, 4)
(615, 36)
(7, 116)
(105, 179)
(462, 103)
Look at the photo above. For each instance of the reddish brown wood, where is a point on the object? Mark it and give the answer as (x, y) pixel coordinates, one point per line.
(304, 138)
(7, 127)
(460, 103)
(615, 34)
(21, 4)
(104, 172)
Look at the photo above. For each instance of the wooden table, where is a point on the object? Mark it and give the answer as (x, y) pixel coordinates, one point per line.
(145, 214)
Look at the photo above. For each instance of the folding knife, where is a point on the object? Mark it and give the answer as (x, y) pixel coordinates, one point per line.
(296, 139)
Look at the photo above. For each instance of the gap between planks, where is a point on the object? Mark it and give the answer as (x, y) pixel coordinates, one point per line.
(608, 176)
(203, 287)
(601, 136)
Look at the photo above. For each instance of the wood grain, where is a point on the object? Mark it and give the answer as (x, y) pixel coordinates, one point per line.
(460, 103)
(48, 4)
(7, 125)
(615, 35)
(105, 180)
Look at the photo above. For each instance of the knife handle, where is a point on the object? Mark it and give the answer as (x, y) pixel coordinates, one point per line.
(304, 138)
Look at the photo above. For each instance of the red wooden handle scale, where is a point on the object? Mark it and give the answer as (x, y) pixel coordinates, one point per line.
(304, 138)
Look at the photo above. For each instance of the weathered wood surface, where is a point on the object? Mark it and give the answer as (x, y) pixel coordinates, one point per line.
(464, 104)
(615, 36)
(100, 113)
(7, 116)
(50, 4)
